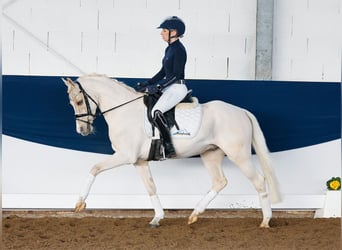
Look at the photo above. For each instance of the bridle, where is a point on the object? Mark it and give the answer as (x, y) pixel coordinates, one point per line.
(87, 97)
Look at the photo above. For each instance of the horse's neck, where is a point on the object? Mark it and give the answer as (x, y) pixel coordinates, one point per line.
(120, 101)
(108, 93)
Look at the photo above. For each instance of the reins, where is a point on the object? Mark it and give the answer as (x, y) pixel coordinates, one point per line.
(123, 104)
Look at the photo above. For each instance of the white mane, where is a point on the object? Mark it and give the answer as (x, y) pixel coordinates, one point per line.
(105, 78)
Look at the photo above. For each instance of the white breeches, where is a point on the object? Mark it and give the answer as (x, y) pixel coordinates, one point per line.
(171, 96)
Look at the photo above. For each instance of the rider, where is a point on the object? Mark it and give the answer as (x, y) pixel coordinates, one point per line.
(169, 80)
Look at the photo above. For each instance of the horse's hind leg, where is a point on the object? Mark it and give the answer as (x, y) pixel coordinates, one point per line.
(247, 167)
(212, 159)
(145, 174)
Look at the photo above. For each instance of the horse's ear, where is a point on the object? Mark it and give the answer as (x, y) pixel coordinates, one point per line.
(65, 81)
(69, 83)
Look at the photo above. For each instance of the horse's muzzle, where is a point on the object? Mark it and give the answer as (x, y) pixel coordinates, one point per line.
(84, 127)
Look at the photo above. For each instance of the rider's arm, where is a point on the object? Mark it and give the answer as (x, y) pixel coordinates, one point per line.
(159, 76)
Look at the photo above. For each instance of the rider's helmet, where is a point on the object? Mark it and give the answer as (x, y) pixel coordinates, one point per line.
(173, 23)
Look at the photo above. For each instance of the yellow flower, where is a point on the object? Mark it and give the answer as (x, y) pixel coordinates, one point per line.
(334, 183)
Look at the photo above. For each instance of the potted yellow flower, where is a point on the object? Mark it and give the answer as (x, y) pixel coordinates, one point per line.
(332, 202)
(334, 183)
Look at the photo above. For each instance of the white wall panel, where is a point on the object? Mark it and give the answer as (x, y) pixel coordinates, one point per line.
(160, 5)
(118, 65)
(313, 24)
(88, 4)
(90, 43)
(212, 22)
(106, 63)
(124, 4)
(199, 45)
(19, 59)
(284, 67)
(66, 42)
(308, 34)
(331, 66)
(115, 20)
(67, 4)
(241, 66)
(227, 44)
(326, 6)
(243, 17)
(213, 67)
(312, 68)
(85, 32)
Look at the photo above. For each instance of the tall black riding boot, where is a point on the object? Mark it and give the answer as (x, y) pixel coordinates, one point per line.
(161, 124)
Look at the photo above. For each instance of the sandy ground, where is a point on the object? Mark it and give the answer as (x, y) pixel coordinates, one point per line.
(130, 230)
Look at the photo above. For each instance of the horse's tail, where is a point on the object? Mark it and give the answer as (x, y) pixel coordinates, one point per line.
(260, 147)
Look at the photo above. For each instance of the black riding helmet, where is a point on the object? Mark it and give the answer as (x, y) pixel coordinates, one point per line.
(173, 23)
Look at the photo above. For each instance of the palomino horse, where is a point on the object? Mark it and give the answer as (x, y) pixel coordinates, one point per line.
(224, 130)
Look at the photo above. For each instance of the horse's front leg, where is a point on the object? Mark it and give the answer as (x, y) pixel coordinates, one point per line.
(145, 174)
(81, 205)
(114, 161)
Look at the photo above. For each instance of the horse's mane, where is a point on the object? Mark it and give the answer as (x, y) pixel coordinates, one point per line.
(105, 77)
(124, 85)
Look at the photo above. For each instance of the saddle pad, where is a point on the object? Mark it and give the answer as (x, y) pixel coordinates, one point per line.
(188, 120)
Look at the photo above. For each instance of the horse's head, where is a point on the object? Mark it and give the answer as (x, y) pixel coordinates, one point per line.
(85, 111)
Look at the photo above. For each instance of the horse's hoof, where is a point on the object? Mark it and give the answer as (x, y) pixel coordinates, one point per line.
(192, 219)
(154, 225)
(80, 206)
(155, 222)
(263, 225)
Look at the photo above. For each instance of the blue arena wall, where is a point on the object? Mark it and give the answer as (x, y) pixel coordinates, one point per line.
(291, 114)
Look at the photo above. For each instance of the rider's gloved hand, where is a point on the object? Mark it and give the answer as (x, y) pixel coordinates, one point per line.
(141, 87)
(154, 89)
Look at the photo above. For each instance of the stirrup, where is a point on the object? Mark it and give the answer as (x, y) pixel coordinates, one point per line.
(169, 151)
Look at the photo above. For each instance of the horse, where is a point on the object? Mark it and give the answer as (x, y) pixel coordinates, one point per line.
(224, 130)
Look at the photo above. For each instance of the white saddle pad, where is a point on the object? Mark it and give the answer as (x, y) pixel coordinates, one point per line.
(188, 117)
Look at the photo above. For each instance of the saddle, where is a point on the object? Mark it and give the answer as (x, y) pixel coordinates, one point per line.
(157, 152)
(150, 101)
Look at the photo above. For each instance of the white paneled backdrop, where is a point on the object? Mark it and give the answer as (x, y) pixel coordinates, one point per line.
(119, 38)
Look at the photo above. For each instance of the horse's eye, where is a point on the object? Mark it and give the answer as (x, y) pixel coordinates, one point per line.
(79, 103)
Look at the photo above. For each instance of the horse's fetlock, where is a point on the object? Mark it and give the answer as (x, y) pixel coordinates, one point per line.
(263, 195)
(224, 182)
(95, 170)
(220, 185)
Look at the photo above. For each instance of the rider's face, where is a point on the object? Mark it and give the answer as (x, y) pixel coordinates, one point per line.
(165, 34)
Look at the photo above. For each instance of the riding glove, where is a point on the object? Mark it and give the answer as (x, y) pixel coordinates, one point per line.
(154, 89)
(141, 87)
